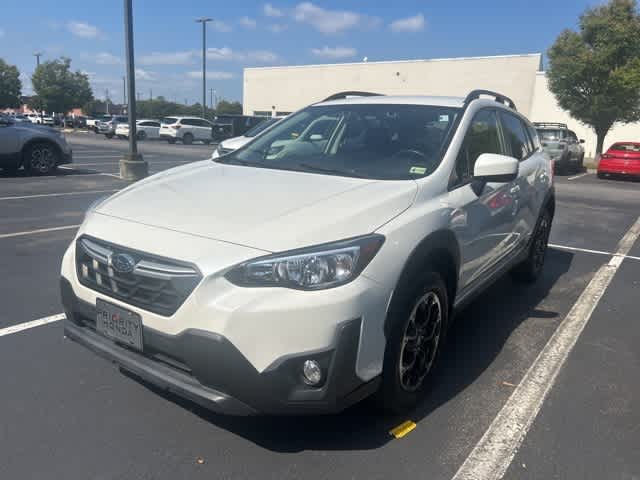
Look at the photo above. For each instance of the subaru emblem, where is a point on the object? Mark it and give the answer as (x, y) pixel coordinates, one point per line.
(123, 263)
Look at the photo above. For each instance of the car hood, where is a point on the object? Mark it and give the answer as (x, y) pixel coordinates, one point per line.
(235, 142)
(271, 210)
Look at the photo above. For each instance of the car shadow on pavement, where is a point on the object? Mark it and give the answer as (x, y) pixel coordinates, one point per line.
(476, 337)
(60, 172)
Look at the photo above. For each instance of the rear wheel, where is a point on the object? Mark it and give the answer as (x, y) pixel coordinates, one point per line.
(171, 140)
(187, 139)
(141, 135)
(109, 135)
(419, 317)
(529, 270)
(40, 159)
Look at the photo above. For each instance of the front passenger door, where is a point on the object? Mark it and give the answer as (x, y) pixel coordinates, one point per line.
(482, 223)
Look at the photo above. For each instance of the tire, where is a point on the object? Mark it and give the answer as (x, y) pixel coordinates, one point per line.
(40, 158)
(141, 135)
(10, 171)
(601, 175)
(109, 135)
(529, 270)
(206, 142)
(171, 140)
(187, 139)
(414, 342)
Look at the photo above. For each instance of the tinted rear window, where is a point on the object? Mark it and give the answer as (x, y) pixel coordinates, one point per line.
(626, 147)
(550, 135)
(169, 120)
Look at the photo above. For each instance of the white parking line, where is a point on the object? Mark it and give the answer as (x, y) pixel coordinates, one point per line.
(86, 192)
(575, 177)
(494, 452)
(586, 250)
(40, 230)
(33, 323)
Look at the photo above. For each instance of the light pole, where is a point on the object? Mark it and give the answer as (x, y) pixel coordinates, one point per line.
(203, 21)
(38, 55)
(132, 166)
(124, 91)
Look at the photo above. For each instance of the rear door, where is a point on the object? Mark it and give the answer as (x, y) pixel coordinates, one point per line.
(482, 223)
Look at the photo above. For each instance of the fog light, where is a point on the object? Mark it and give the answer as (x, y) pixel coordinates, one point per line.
(311, 373)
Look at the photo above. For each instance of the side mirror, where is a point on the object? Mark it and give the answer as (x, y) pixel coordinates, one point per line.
(316, 137)
(491, 167)
(582, 140)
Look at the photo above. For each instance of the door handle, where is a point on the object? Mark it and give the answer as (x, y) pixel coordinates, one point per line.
(515, 190)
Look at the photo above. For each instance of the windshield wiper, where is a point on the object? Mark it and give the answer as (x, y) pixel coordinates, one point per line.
(330, 171)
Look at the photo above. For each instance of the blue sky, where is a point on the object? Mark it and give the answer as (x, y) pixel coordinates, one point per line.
(256, 33)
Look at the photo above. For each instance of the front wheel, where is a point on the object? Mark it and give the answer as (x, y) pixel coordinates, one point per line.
(187, 139)
(418, 317)
(40, 159)
(529, 270)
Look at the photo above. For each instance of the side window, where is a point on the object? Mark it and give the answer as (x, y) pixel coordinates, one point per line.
(154, 124)
(482, 137)
(533, 133)
(573, 137)
(188, 122)
(514, 135)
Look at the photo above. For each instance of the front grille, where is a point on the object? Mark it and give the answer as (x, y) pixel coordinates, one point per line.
(152, 283)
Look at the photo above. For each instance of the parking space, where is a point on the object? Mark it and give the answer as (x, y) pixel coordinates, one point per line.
(69, 414)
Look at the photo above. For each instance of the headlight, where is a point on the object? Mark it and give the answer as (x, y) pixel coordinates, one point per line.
(314, 268)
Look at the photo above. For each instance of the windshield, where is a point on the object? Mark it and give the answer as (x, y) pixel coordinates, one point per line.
(550, 135)
(261, 127)
(169, 120)
(376, 141)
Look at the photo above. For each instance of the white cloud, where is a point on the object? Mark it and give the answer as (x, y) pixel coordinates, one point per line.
(277, 28)
(227, 54)
(220, 26)
(334, 52)
(83, 29)
(106, 58)
(326, 21)
(247, 22)
(271, 11)
(168, 58)
(142, 74)
(211, 75)
(409, 24)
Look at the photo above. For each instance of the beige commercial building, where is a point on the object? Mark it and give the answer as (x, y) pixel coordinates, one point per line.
(280, 90)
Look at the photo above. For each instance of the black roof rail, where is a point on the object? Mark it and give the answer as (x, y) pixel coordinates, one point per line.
(550, 125)
(343, 95)
(475, 94)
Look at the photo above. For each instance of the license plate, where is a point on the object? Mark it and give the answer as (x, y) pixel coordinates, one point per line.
(119, 324)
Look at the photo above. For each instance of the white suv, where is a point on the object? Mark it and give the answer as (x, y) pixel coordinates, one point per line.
(304, 279)
(186, 129)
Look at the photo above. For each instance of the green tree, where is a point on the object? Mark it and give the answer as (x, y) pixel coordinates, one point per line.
(10, 85)
(595, 73)
(58, 88)
(229, 107)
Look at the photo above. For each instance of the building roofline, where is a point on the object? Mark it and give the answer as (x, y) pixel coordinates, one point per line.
(393, 62)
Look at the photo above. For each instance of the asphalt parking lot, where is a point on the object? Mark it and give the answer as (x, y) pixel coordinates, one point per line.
(69, 414)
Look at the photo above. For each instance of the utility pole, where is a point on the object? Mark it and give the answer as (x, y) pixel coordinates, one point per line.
(203, 21)
(124, 91)
(132, 165)
(38, 55)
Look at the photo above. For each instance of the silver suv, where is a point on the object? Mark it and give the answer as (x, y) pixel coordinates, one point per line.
(562, 145)
(38, 149)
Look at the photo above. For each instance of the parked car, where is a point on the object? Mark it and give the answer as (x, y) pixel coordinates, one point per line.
(108, 127)
(229, 126)
(621, 160)
(307, 282)
(186, 129)
(562, 145)
(20, 118)
(38, 149)
(232, 144)
(145, 129)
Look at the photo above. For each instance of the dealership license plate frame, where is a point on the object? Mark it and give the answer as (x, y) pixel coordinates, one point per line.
(119, 324)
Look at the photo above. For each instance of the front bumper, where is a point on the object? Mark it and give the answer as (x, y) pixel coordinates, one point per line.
(209, 370)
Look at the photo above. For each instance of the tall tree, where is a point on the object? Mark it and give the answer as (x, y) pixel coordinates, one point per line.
(58, 88)
(10, 85)
(229, 107)
(595, 73)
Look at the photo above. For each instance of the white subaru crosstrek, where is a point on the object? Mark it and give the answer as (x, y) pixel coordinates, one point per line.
(301, 274)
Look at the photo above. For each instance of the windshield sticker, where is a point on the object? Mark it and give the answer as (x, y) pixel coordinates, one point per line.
(443, 118)
(418, 170)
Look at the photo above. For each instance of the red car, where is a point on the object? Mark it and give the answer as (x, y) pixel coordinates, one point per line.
(622, 159)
